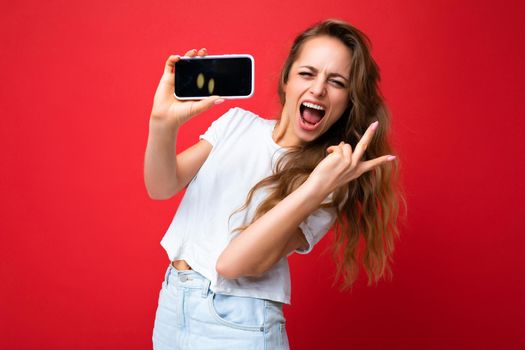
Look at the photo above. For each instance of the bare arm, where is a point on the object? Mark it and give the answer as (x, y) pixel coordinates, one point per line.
(166, 173)
(276, 233)
(272, 236)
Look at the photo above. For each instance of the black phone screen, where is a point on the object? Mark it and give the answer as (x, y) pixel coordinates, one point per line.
(206, 76)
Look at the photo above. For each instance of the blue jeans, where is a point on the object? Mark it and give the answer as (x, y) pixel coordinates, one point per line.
(191, 316)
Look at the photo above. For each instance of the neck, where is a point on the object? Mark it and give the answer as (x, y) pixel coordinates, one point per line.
(282, 133)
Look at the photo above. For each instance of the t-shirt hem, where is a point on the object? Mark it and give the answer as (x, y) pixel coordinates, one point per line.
(252, 294)
(239, 292)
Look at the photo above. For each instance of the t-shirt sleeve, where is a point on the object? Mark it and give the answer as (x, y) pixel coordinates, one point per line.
(216, 131)
(316, 226)
(318, 223)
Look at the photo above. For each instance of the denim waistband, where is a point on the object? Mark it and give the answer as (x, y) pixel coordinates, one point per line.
(187, 279)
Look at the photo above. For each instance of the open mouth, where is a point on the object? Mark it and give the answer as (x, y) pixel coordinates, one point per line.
(311, 113)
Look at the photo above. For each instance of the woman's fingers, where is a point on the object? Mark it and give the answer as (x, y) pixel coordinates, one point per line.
(361, 146)
(202, 52)
(190, 53)
(332, 149)
(205, 104)
(165, 87)
(170, 63)
(372, 163)
(347, 153)
(353, 166)
(344, 148)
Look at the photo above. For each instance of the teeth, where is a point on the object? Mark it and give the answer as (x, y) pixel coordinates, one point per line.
(314, 106)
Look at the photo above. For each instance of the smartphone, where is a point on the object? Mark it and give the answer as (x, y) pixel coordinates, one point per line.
(229, 76)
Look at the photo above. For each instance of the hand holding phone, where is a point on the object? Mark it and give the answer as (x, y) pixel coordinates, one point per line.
(229, 76)
(169, 111)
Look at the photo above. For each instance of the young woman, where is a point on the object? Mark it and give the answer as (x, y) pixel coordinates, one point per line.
(259, 190)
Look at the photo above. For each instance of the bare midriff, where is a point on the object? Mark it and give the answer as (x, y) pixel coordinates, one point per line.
(180, 265)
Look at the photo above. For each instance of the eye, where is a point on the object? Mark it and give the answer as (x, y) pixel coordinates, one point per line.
(337, 83)
(306, 74)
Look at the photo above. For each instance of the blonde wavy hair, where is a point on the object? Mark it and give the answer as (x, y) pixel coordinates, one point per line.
(366, 225)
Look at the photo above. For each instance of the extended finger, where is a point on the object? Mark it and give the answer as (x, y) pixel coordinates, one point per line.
(372, 163)
(202, 52)
(361, 146)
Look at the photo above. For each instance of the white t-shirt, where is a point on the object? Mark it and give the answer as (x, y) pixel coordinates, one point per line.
(243, 153)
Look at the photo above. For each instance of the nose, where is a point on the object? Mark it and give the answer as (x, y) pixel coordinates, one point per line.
(318, 87)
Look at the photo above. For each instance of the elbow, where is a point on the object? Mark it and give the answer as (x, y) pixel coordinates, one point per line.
(159, 194)
(230, 270)
(226, 270)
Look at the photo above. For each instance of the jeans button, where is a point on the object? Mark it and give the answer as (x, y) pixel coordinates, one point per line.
(183, 278)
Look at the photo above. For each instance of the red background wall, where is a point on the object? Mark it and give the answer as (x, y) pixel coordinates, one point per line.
(81, 265)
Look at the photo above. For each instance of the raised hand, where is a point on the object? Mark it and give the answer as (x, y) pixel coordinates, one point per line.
(166, 107)
(343, 165)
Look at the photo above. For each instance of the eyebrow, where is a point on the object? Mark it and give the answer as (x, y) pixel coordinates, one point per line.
(330, 75)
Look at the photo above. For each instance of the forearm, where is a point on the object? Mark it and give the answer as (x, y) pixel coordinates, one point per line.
(160, 162)
(261, 245)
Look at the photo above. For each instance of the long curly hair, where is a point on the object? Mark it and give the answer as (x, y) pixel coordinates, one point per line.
(366, 225)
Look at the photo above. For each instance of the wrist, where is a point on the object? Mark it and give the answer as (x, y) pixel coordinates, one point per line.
(162, 125)
(162, 133)
(316, 191)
